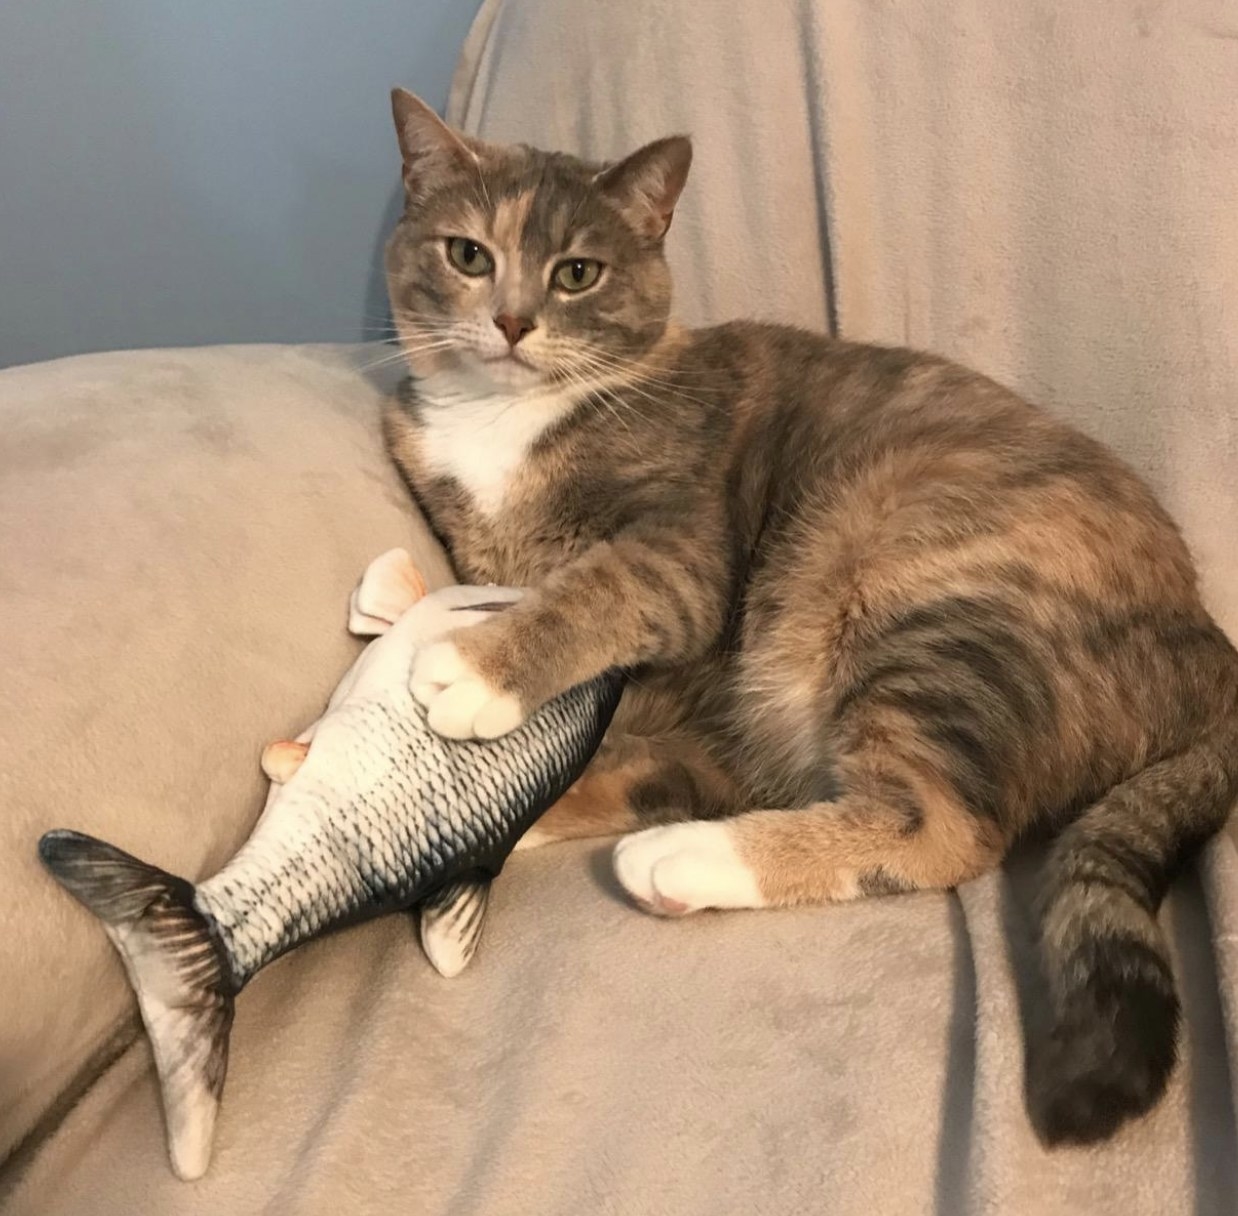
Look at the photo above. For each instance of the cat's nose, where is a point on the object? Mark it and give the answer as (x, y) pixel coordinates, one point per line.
(514, 328)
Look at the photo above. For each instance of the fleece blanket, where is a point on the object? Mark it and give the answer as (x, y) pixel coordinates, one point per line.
(1038, 189)
(184, 570)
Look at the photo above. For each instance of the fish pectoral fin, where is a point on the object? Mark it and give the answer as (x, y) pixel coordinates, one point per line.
(281, 759)
(390, 586)
(362, 626)
(451, 923)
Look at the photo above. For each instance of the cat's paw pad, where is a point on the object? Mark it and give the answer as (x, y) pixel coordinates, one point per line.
(461, 703)
(685, 867)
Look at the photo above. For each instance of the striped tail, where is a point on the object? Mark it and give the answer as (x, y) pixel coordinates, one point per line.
(1113, 1044)
(178, 973)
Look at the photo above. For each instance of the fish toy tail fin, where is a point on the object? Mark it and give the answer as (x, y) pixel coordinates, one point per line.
(177, 970)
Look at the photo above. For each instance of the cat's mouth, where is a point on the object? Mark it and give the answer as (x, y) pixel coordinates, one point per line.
(509, 357)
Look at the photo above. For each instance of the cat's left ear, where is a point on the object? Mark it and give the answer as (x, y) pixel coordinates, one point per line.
(647, 184)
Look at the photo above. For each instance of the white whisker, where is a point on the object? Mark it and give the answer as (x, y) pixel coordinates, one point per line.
(633, 377)
(403, 352)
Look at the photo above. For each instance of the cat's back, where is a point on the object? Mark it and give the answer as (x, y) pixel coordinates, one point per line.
(919, 521)
(904, 453)
(848, 397)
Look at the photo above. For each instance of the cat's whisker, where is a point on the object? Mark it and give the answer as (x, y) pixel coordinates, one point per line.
(613, 404)
(610, 398)
(481, 179)
(631, 384)
(642, 367)
(634, 377)
(401, 353)
(425, 321)
(599, 391)
(646, 365)
(427, 317)
(416, 330)
(636, 372)
(427, 344)
(431, 336)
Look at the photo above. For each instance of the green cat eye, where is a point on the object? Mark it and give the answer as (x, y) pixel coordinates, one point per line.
(577, 273)
(468, 257)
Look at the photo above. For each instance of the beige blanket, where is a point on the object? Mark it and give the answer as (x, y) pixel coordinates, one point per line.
(1037, 188)
(189, 524)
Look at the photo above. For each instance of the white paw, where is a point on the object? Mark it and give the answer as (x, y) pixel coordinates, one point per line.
(462, 705)
(684, 867)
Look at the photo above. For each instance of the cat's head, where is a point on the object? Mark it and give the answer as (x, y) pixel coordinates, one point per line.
(521, 269)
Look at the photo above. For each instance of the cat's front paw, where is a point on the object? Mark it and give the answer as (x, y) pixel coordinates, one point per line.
(462, 704)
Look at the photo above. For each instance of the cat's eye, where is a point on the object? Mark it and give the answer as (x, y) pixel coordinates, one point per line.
(576, 274)
(468, 257)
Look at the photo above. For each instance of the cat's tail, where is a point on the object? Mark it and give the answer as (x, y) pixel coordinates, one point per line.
(178, 972)
(1112, 1045)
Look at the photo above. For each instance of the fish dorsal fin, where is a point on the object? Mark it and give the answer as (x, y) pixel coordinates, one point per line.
(451, 923)
(390, 586)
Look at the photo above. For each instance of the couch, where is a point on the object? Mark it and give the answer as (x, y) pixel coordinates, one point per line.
(1042, 190)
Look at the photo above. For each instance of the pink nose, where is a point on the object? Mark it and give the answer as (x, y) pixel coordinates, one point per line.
(514, 328)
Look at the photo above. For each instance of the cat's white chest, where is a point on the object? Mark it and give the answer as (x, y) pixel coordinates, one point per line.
(483, 441)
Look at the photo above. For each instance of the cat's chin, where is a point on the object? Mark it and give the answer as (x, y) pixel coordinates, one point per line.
(469, 375)
(511, 375)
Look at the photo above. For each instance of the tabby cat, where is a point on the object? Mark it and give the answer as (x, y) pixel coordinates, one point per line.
(883, 618)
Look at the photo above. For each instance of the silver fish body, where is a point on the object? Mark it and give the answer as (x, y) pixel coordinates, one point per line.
(381, 814)
(430, 811)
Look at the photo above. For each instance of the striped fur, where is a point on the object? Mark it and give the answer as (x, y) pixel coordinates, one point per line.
(885, 618)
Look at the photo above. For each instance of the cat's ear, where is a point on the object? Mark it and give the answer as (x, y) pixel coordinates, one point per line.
(647, 184)
(430, 148)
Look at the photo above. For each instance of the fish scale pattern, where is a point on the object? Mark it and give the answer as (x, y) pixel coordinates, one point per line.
(429, 810)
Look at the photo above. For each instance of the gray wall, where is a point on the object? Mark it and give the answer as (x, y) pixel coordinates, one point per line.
(174, 172)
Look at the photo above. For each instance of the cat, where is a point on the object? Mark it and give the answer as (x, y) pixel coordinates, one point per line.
(883, 618)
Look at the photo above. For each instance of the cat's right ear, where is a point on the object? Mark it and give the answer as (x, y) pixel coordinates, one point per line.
(647, 184)
(430, 148)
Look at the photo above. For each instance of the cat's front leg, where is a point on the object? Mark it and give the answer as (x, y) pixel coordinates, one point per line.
(641, 599)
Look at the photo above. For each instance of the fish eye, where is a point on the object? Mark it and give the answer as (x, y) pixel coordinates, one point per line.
(469, 257)
(576, 274)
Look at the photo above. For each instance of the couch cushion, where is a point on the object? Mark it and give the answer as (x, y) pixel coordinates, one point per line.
(181, 531)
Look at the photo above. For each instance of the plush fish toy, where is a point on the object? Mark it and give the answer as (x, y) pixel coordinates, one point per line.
(368, 811)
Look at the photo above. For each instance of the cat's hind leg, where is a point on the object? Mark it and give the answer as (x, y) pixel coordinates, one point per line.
(635, 782)
(886, 833)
